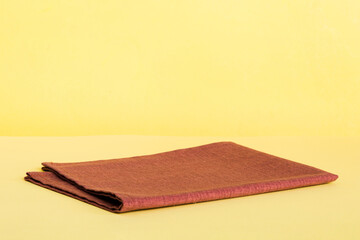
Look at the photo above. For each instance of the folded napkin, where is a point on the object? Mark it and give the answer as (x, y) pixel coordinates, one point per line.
(202, 173)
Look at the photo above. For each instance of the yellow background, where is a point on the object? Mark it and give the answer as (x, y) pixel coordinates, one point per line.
(330, 211)
(231, 68)
(189, 67)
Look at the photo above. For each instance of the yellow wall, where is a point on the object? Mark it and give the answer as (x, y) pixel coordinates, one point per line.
(274, 67)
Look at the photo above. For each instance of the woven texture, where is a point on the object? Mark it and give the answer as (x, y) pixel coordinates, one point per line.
(202, 173)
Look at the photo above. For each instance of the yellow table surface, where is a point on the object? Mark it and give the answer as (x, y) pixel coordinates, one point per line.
(329, 211)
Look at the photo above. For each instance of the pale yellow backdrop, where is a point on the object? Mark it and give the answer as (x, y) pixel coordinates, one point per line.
(193, 67)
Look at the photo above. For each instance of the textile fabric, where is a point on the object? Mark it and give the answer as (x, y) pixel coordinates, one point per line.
(202, 173)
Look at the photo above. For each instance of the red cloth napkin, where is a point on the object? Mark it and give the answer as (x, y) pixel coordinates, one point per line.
(202, 173)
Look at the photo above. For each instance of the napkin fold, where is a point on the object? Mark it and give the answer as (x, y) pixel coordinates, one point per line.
(197, 174)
